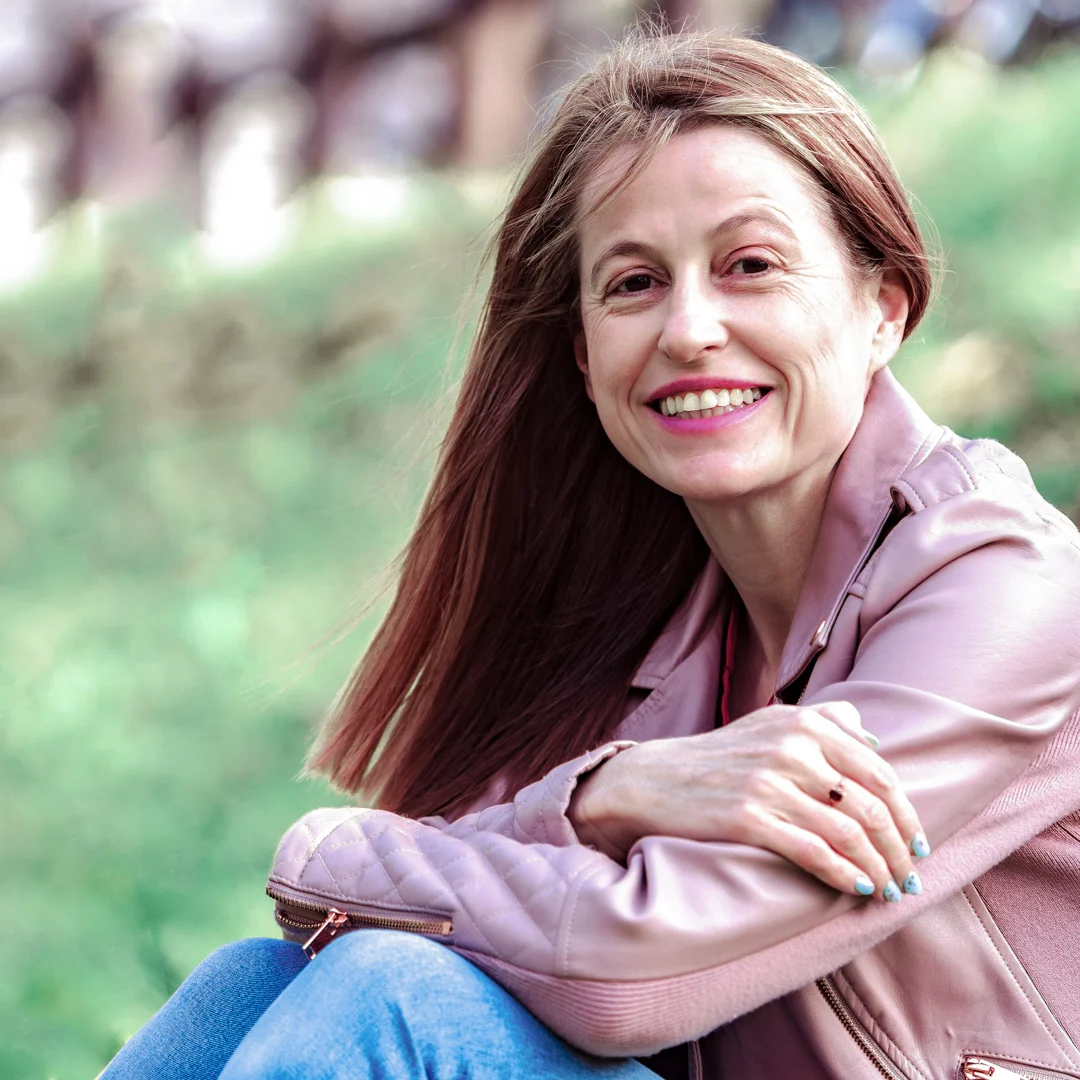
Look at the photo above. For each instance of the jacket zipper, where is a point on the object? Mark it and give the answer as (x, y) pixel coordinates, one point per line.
(775, 699)
(880, 535)
(697, 1071)
(878, 1058)
(328, 922)
(325, 932)
(973, 1067)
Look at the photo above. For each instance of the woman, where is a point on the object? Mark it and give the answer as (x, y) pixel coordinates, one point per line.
(685, 514)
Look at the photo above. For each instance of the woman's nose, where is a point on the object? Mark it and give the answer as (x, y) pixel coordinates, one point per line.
(694, 322)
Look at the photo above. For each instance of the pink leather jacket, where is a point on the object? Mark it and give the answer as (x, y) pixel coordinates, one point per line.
(943, 600)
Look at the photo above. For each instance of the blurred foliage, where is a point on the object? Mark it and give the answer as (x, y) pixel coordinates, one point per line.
(222, 461)
(202, 468)
(994, 159)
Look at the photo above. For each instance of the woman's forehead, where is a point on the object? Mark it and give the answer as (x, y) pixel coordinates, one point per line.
(717, 165)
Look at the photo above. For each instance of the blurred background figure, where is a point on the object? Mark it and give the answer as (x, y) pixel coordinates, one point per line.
(138, 88)
(236, 245)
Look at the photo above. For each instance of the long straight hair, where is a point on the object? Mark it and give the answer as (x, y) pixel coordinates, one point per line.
(542, 565)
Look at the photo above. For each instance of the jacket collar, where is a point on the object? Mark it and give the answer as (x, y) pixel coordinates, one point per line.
(695, 618)
(893, 435)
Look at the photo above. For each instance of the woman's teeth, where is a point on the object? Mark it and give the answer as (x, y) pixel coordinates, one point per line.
(708, 402)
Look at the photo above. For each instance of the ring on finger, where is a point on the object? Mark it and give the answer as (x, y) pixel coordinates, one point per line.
(836, 792)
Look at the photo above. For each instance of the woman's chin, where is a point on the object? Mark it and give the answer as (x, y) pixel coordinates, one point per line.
(715, 486)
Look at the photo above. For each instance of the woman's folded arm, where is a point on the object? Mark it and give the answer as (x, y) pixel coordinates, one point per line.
(967, 671)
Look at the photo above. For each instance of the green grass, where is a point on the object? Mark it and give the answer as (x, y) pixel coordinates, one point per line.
(170, 588)
(175, 550)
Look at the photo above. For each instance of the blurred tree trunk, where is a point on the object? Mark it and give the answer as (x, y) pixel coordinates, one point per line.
(742, 15)
(498, 48)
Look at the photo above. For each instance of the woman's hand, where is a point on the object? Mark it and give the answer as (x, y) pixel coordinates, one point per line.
(765, 780)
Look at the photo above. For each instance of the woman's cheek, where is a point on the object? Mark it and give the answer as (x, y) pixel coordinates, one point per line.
(615, 383)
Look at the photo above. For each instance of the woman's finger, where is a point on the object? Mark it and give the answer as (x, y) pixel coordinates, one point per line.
(861, 829)
(877, 802)
(848, 717)
(875, 774)
(878, 822)
(808, 850)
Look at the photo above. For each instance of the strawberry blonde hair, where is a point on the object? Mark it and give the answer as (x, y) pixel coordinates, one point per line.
(542, 565)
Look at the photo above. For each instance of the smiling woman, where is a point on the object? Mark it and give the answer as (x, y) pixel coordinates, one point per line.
(717, 272)
(738, 280)
(687, 536)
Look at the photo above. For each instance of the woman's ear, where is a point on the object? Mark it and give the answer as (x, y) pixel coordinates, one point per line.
(891, 308)
(581, 358)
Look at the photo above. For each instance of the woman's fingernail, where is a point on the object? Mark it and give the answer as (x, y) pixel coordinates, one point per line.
(872, 739)
(919, 846)
(891, 892)
(913, 884)
(864, 886)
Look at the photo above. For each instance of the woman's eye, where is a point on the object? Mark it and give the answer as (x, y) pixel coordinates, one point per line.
(751, 264)
(634, 283)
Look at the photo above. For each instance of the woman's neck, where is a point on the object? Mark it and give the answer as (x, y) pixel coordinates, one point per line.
(764, 544)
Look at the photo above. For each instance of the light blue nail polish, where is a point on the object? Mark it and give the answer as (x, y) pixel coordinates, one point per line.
(864, 886)
(872, 739)
(919, 846)
(913, 884)
(892, 892)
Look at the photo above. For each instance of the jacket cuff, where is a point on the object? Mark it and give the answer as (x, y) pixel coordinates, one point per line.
(540, 810)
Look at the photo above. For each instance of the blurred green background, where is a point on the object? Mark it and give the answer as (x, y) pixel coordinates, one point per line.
(206, 472)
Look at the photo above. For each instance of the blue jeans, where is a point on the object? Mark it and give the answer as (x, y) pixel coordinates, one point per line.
(374, 1005)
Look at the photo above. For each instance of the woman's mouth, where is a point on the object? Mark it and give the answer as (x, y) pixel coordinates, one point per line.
(701, 404)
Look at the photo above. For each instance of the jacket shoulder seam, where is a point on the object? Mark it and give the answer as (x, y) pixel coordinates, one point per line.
(1021, 494)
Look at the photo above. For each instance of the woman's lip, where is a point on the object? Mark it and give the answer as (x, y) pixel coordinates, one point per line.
(696, 385)
(705, 424)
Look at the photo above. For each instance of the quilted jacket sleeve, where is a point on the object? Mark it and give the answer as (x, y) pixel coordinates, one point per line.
(967, 668)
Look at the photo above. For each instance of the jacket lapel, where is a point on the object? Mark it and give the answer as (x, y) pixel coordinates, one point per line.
(893, 434)
(681, 672)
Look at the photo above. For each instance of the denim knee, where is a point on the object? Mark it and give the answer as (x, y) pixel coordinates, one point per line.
(255, 963)
(397, 965)
(382, 1005)
(372, 996)
(197, 1030)
(256, 950)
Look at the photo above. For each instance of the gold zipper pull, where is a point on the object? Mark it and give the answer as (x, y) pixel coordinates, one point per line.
(333, 922)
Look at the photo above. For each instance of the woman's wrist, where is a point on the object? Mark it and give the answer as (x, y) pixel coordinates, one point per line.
(596, 810)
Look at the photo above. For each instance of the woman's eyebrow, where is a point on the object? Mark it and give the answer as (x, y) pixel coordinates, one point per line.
(617, 250)
(729, 225)
(752, 217)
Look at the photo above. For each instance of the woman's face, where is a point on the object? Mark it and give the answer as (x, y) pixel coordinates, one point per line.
(717, 276)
